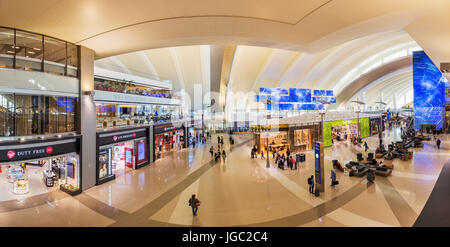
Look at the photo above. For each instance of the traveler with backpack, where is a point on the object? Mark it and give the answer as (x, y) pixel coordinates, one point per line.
(311, 184)
(194, 203)
(291, 163)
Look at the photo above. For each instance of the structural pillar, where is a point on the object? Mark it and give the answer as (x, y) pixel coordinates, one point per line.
(87, 118)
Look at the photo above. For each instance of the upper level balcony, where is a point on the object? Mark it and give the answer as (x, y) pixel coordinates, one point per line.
(29, 51)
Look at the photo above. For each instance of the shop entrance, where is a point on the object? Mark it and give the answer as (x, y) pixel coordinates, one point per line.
(33, 177)
(121, 158)
(168, 141)
(277, 141)
(345, 132)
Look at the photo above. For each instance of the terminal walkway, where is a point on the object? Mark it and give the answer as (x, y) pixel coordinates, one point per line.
(241, 191)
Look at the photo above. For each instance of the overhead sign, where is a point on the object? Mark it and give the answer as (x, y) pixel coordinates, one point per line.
(120, 136)
(41, 150)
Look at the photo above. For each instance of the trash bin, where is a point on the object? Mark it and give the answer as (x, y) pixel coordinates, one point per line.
(302, 157)
(359, 156)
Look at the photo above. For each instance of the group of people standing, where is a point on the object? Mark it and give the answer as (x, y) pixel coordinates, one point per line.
(219, 155)
(199, 138)
(288, 160)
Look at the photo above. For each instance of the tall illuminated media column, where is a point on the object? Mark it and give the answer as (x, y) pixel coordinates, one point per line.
(319, 167)
(429, 93)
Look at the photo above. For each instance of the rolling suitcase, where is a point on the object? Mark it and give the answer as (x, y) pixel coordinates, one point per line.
(316, 193)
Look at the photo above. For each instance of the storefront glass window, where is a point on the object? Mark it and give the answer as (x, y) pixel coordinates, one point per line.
(6, 48)
(72, 60)
(110, 115)
(23, 115)
(28, 51)
(54, 56)
(302, 139)
(6, 114)
(35, 52)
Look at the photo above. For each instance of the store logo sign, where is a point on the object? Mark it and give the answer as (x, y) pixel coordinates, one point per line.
(121, 137)
(346, 121)
(169, 128)
(11, 154)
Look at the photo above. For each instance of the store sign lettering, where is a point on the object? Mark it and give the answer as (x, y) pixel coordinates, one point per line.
(118, 138)
(11, 154)
(169, 128)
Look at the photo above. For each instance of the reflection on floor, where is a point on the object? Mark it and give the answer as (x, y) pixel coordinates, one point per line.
(241, 191)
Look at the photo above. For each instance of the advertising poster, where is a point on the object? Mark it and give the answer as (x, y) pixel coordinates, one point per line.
(129, 157)
(141, 153)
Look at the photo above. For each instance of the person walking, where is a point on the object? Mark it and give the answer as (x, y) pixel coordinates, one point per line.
(366, 146)
(262, 154)
(291, 162)
(438, 143)
(223, 154)
(211, 151)
(288, 152)
(311, 184)
(273, 153)
(194, 203)
(297, 160)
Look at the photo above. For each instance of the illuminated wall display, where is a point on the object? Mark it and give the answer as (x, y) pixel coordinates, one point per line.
(429, 90)
(294, 98)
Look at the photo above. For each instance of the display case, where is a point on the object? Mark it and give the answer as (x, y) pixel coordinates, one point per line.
(21, 186)
(49, 178)
(14, 173)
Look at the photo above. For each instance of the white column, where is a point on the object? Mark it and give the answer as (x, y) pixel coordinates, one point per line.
(87, 118)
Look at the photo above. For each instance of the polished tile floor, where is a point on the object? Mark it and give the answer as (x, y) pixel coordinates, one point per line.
(241, 191)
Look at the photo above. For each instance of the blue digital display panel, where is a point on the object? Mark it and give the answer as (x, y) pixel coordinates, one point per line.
(320, 93)
(299, 95)
(310, 107)
(279, 91)
(328, 99)
(285, 99)
(330, 93)
(280, 107)
(429, 92)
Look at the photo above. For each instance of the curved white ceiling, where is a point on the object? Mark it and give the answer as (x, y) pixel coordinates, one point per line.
(255, 67)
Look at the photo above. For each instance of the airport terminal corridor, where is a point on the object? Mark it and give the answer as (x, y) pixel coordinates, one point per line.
(241, 191)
